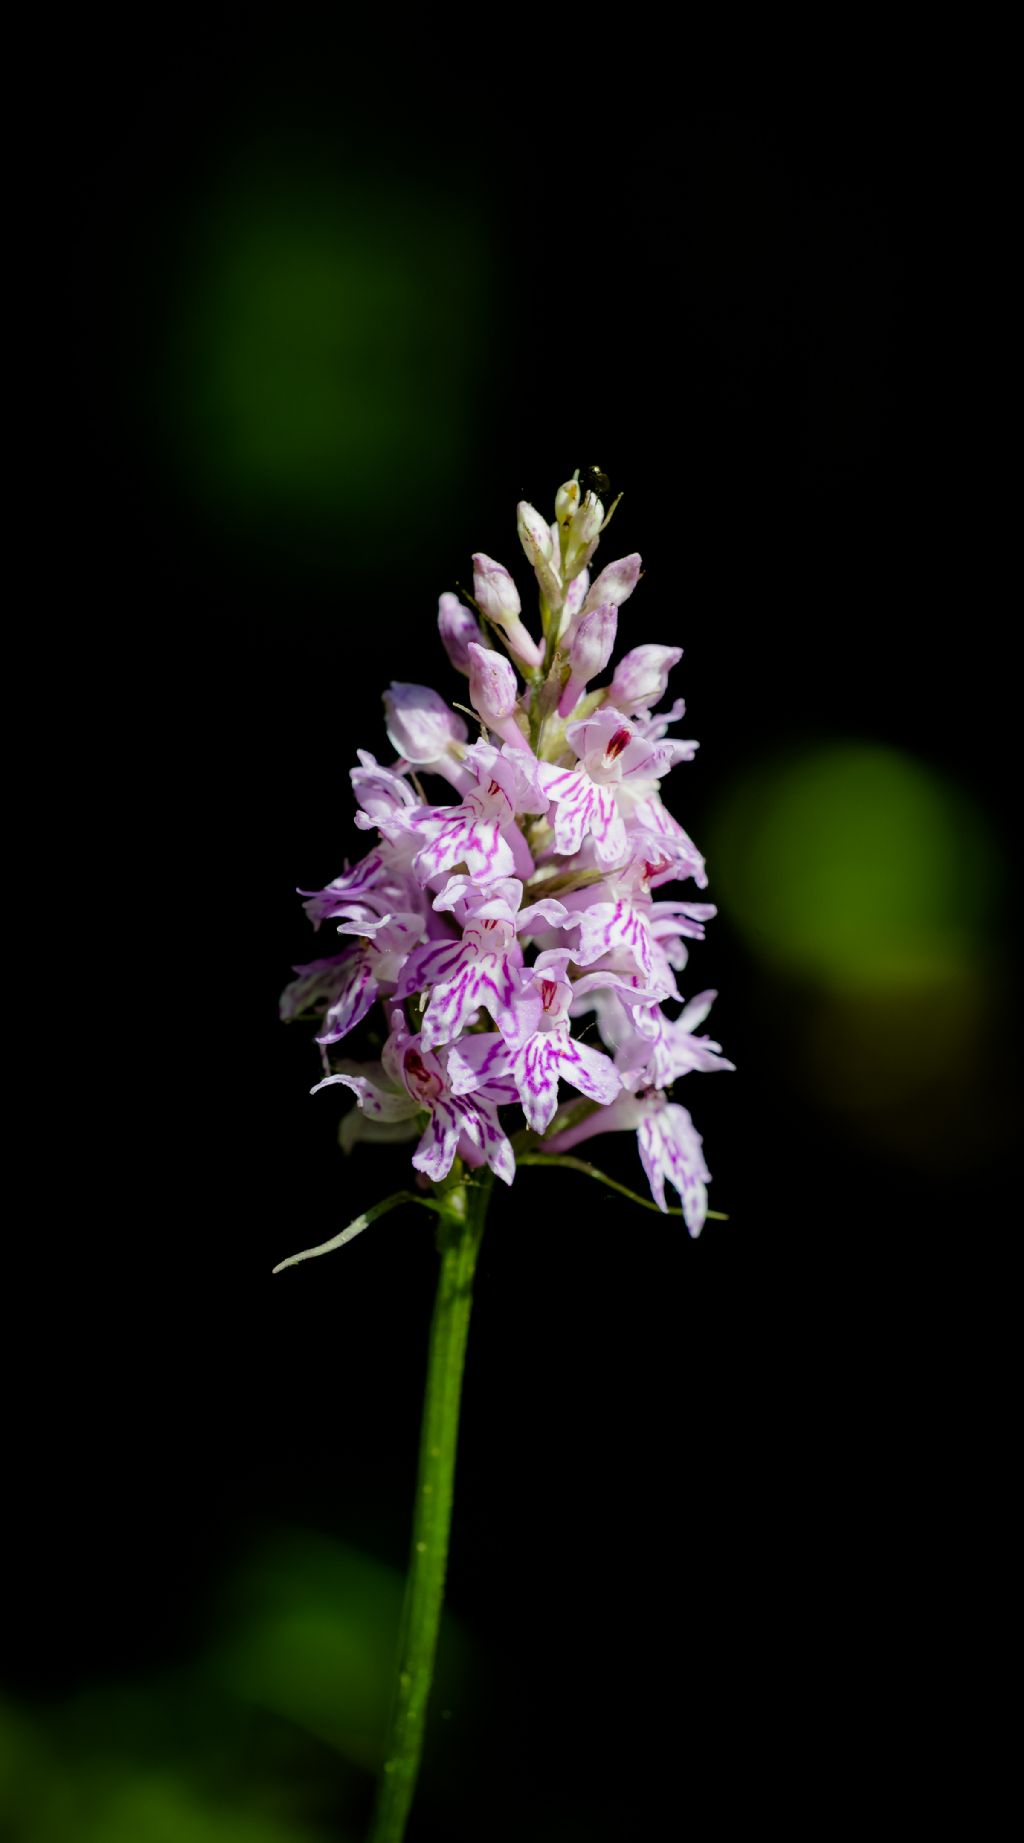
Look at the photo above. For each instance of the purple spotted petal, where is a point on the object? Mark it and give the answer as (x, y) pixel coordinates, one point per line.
(464, 896)
(589, 1070)
(607, 926)
(680, 1051)
(477, 843)
(318, 982)
(369, 874)
(680, 918)
(353, 1001)
(479, 1061)
(483, 1136)
(383, 798)
(434, 961)
(573, 794)
(380, 1104)
(658, 838)
(670, 1148)
(608, 830)
(497, 1150)
(435, 1153)
(480, 981)
(538, 917)
(536, 1075)
(549, 1055)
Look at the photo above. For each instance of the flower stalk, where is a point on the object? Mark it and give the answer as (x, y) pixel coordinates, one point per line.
(486, 927)
(463, 1210)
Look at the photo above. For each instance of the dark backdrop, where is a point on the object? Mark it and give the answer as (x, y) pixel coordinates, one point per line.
(704, 1488)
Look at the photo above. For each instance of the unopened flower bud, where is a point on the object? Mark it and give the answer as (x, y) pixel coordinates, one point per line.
(495, 592)
(457, 627)
(615, 583)
(498, 599)
(591, 650)
(590, 520)
(572, 607)
(534, 534)
(642, 675)
(420, 725)
(584, 533)
(535, 538)
(493, 688)
(567, 502)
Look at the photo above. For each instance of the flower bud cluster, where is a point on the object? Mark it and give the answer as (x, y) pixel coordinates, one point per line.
(515, 935)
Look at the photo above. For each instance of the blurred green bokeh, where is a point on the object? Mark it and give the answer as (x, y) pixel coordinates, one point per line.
(326, 346)
(865, 885)
(855, 866)
(311, 1633)
(269, 1736)
(118, 1769)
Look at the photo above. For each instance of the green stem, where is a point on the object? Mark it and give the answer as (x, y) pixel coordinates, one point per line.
(463, 1211)
(580, 1164)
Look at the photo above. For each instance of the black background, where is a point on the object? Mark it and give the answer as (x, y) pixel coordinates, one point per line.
(705, 1490)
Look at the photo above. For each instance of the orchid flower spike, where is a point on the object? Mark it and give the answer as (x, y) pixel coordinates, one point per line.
(515, 941)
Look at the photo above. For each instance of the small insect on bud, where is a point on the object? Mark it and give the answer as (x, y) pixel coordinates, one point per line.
(457, 627)
(595, 480)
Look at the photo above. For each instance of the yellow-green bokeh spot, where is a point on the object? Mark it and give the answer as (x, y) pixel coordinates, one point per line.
(855, 865)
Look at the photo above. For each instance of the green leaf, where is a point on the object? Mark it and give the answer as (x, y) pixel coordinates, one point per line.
(356, 1227)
